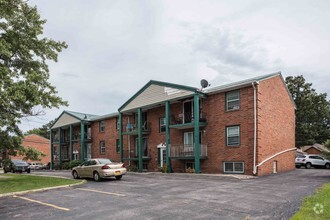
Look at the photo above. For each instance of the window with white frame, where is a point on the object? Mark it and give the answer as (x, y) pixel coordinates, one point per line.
(233, 136)
(232, 100)
(102, 147)
(233, 167)
(162, 125)
(101, 126)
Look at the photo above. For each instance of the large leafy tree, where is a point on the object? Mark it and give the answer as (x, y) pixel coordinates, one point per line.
(25, 89)
(312, 114)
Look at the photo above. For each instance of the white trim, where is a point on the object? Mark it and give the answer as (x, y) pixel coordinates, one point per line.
(282, 152)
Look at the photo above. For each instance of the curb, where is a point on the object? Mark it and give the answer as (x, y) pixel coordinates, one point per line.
(238, 176)
(42, 189)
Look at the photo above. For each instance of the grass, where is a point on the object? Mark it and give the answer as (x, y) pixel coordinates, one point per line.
(21, 182)
(316, 206)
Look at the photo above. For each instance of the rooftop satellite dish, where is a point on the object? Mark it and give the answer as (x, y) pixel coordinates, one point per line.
(204, 83)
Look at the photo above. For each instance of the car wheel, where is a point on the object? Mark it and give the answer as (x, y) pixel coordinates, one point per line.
(96, 176)
(75, 175)
(308, 165)
(327, 166)
(119, 177)
(29, 171)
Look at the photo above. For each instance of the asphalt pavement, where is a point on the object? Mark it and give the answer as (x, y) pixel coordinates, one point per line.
(170, 196)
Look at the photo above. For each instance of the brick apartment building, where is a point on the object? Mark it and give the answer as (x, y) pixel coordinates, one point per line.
(39, 143)
(244, 127)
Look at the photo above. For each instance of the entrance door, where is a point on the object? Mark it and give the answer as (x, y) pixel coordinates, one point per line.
(162, 156)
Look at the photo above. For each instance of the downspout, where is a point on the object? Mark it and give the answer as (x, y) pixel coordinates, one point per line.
(255, 127)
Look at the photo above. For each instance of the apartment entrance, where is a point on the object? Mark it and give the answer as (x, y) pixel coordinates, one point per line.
(161, 155)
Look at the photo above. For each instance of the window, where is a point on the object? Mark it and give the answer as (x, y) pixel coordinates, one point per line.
(117, 145)
(233, 136)
(102, 147)
(117, 123)
(232, 100)
(233, 167)
(162, 125)
(101, 126)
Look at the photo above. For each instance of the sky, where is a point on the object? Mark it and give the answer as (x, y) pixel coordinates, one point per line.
(116, 46)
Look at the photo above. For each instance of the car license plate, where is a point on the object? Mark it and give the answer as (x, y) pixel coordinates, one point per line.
(23, 169)
(117, 173)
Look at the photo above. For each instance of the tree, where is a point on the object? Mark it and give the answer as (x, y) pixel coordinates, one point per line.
(24, 74)
(312, 114)
(43, 131)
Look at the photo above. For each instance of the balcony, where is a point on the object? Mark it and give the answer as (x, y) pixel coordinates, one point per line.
(186, 120)
(187, 152)
(133, 155)
(132, 129)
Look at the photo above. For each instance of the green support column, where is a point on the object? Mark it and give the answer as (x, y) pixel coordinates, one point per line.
(51, 150)
(59, 146)
(121, 136)
(82, 140)
(71, 146)
(140, 139)
(196, 133)
(167, 135)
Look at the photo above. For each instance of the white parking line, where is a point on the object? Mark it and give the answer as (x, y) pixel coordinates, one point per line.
(108, 193)
(42, 203)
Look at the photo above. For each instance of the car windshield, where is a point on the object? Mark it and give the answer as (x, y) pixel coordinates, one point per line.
(104, 161)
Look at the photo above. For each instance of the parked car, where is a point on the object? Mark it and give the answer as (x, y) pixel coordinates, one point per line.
(37, 166)
(312, 160)
(17, 166)
(99, 168)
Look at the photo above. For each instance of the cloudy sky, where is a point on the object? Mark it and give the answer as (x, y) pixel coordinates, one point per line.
(117, 46)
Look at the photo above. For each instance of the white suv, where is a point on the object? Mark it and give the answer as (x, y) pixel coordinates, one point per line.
(312, 160)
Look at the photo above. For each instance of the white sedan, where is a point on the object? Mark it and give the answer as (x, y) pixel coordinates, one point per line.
(99, 168)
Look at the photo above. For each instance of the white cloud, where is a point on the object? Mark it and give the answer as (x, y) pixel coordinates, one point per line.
(115, 47)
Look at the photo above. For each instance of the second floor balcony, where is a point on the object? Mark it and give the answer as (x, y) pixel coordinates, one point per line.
(186, 120)
(187, 151)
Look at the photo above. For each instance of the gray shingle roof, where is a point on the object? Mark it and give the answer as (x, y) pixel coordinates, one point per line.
(240, 84)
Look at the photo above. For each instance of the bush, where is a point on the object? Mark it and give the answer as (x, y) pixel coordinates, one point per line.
(74, 163)
(132, 168)
(162, 169)
(190, 170)
(65, 165)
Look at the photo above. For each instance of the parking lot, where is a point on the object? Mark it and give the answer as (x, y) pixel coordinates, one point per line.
(170, 196)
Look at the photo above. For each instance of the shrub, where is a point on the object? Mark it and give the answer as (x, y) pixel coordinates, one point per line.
(190, 170)
(132, 168)
(65, 165)
(74, 163)
(163, 169)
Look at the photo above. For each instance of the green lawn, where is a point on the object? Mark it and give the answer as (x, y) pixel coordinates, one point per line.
(316, 206)
(21, 182)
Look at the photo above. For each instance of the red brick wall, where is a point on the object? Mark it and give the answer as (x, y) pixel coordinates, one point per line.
(39, 143)
(276, 126)
(312, 150)
(110, 135)
(215, 132)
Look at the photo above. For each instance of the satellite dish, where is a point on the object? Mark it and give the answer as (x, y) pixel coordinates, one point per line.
(204, 83)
